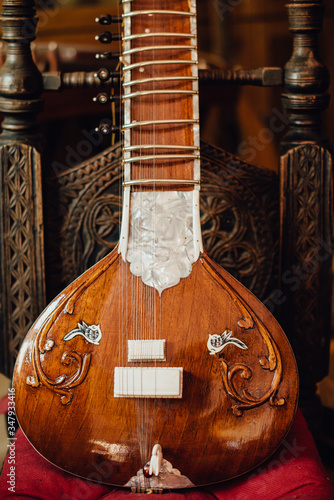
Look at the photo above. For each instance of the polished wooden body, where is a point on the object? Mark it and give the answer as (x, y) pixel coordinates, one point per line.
(236, 406)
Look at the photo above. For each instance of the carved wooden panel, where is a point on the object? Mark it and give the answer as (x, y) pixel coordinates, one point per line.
(22, 290)
(239, 205)
(306, 260)
(240, 218)
(22, 293)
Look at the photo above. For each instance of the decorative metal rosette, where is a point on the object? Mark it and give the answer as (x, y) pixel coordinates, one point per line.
(216, 343)
(92, 333)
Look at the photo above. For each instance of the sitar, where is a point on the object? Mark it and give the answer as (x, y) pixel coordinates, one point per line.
(155, 366)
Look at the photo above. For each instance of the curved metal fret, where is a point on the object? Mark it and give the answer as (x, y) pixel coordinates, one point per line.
(161, 157)
(158, 146)
(164, 12)
(138, 182)
(157, 122)
(152, 63)
(159, 47)
(149, 35)
(158, 92)
(160, 79)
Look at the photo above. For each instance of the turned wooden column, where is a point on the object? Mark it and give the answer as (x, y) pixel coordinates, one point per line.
(306, 203)
(21, 216)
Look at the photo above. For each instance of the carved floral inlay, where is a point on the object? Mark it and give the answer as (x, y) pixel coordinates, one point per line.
(64, 384)
(272, 361)
(216, 343)
(92, 333)
(162, 246)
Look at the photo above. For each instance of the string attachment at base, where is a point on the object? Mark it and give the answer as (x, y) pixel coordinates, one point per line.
(147, 491)
(158, 474)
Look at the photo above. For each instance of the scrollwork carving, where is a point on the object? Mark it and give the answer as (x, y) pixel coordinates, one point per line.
(239, 217)
(83, 217)
(306, 261)
(272, 361)
(63, 384)
(22, 245)
(239, 204)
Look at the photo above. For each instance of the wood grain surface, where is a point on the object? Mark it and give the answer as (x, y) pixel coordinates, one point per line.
(235, 409)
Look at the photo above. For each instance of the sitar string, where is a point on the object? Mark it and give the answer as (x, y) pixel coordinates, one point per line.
(154, 117)
(120, 195)
(148, 135)
(141, 332)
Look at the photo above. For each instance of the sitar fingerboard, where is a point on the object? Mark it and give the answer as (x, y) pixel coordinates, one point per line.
(160, 92)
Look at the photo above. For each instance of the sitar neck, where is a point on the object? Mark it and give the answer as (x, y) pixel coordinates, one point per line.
(160, 93)
(160, 234)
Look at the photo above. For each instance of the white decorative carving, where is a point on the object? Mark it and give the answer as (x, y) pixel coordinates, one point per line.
(156, 460)
(92, 333)
(216, 343)
(164, 239)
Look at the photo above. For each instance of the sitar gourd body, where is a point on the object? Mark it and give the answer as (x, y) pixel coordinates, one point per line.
(156, 368)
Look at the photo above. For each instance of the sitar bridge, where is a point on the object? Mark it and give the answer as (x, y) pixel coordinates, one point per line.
(146, 350)
(148, 382)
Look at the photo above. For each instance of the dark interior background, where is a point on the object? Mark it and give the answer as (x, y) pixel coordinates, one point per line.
(231, 34)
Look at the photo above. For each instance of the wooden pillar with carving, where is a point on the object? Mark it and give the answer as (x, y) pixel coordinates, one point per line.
(21, 216)
(306, 204)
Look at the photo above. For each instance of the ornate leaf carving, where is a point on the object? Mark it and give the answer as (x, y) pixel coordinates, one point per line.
(272, 361)
(239, 207)
(306, 259)
(63, 384)
(22, 243)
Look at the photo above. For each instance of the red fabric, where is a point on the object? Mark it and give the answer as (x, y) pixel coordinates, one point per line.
(293, 472)
(4, 405)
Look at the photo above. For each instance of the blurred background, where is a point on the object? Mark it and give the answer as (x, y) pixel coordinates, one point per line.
(231, 34)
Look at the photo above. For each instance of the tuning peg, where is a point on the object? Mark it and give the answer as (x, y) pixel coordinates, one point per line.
(104, 98)
(104, 74)
(107, 19)
(112, 77)
(107, 37)
(108, 55)
(106, 128)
